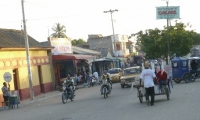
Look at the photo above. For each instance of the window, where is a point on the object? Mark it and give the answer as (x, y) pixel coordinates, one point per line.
(132, 71)
(184, 63)
(118, 46)
(174, 65)
(113, 71)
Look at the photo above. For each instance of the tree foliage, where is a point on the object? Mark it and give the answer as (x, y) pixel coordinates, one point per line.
(78, 42)
(196, 39)
(59, 31)
(154, 41)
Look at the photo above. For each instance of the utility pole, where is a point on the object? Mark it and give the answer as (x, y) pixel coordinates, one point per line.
(27, 53)
(168, 54)
(111, 12)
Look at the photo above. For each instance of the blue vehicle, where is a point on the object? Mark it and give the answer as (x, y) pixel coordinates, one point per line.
(181, 69)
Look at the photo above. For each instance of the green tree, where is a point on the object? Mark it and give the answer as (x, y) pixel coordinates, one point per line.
(196, 39)
(154, 41)
(78, 42)
(59, 31)
(74, 42)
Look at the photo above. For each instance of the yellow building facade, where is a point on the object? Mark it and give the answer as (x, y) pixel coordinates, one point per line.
(14, 61)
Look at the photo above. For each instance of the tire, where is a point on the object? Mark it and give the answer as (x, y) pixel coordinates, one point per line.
(140, 97)
(167, 93)
(187, 78)
(64, 98)
(122, 86)
(72, 99)
(177, 80)
(193, 78)
(104, 90)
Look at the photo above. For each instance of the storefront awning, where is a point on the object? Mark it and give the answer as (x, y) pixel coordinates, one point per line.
(72, 57)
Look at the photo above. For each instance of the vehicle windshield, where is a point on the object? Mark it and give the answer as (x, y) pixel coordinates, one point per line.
(131, 71)
(113, 71)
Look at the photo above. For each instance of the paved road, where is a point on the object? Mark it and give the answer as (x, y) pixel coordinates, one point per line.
(120, 105)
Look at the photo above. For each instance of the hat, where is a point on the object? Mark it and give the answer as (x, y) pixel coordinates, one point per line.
(147, 64)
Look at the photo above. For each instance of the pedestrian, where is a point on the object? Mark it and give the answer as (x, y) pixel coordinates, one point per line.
(6, 92)
(96, 75)
(148, 76)
(78, 77)
(88, 78)
(83, 74)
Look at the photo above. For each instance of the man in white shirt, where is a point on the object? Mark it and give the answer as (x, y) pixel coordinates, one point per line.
(148, 76)
(96, 75)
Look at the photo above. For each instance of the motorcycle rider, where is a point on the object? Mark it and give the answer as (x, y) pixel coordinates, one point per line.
(70, 84)
(106, 76)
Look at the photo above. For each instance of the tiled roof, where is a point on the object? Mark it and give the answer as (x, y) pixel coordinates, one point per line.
(15, 38)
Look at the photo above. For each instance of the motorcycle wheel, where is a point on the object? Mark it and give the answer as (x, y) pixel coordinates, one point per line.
(64, 98)
(104, 92)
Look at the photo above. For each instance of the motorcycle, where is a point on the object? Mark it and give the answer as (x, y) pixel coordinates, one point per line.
(105, 88)
(93, 81)
(67, 92)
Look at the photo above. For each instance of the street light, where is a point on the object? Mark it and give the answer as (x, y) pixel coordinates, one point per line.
(111, 12)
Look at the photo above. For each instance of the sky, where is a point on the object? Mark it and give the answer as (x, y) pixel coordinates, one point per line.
(83, 17)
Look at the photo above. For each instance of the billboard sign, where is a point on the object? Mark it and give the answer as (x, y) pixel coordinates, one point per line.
(170, 12)
(61, 46)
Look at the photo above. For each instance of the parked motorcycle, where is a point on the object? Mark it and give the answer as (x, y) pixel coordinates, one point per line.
(93, 81)
(67, 92)
(105, 88)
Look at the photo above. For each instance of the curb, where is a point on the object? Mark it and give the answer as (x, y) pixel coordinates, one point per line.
(41, 99)
(3, 108)
(46, 97)
(37, 100)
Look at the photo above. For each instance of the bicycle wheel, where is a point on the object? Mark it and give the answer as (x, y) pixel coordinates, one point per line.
(140, 96)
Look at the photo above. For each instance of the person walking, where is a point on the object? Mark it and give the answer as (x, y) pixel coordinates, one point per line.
(148, 76)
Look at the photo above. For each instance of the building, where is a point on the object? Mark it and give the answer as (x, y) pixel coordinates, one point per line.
(99, 42)
(13, 60)
(68, 59)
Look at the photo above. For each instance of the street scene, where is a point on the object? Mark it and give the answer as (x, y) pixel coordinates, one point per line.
(120, 105)
(99, 60)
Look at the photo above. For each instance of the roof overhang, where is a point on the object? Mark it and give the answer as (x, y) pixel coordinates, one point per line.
(72, 57)
(22, 49)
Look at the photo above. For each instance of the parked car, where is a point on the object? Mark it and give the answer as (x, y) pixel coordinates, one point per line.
(115, 74)
(131, 74)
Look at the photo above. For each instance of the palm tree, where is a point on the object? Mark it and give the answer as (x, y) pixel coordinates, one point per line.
(59, 31)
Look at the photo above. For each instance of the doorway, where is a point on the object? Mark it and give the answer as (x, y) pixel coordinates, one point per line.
(15, 79)
(40, 78)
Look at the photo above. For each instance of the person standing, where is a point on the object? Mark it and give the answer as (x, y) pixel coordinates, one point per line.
(88, 78)
(148, 76)
(6, 92)
(96, 75)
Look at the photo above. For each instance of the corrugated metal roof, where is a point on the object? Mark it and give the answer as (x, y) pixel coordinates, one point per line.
(15, 38)
(80, 50)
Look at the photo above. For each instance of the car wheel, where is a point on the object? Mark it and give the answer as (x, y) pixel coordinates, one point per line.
(122, 86)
